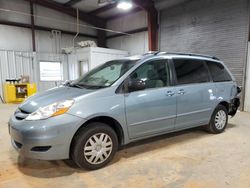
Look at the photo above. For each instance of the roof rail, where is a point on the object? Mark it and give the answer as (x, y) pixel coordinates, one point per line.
(151, 53)
(187, 54)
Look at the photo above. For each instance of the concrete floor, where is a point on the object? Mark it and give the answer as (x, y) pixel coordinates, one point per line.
(189, 159)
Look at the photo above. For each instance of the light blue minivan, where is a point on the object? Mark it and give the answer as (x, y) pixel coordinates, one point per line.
(123, 101)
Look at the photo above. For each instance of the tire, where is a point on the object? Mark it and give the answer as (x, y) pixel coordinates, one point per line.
(218, 121)
(88, 151)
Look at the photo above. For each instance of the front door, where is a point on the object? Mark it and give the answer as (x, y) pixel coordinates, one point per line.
(151, 111)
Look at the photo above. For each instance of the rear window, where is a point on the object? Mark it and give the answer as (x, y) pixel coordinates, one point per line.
(190, 71)
(218, 72)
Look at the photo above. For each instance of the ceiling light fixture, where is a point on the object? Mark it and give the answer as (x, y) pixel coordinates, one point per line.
(124, 4)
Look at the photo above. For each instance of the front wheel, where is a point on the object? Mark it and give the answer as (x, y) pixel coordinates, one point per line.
(94, 146)
(219, 120)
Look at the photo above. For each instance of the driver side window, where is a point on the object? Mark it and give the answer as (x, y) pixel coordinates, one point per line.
(155, 74)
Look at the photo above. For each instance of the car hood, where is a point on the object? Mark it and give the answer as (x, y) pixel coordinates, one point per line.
(51, 96)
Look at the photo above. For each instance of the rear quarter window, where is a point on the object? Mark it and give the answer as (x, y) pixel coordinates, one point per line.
(218, 72)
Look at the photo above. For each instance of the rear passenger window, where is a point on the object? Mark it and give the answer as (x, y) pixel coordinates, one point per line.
(218, 72)
(190, 71)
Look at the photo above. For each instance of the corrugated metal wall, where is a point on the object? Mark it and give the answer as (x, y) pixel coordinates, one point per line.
(214, 27)
(135, 44)
(13, 64)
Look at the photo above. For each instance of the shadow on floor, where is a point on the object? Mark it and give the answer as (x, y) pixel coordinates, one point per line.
(51, 169)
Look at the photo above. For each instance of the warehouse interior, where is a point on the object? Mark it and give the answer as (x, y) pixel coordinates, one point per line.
(46, 43)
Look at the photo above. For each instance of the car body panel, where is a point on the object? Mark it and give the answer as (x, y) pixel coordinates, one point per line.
(103, 102)
(150, 112)
(56, 132)
(195, 106)
(140, 114)
(51, 96)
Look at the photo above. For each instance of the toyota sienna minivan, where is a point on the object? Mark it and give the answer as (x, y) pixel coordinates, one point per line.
(123, 101)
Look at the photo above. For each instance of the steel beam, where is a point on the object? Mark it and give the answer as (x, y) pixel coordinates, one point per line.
(32, 26)
(42, 28)
(153, 30)
(71, 3)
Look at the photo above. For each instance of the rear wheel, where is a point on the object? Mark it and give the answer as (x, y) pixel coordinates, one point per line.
(94, 146)
(219, 120)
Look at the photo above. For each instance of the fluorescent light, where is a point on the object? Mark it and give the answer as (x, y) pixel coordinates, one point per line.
(125, 5)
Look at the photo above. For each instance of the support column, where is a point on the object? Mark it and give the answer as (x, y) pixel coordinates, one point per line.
(152, 29)
(101, 38)
(32, 27)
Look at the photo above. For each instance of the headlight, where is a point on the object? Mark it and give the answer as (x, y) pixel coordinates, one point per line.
(51, 110)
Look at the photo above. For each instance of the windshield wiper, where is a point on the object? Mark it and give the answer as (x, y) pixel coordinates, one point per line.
(76, 85)
(84, 86)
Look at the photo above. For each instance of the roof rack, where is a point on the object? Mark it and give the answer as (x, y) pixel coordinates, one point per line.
(151, 53)
(187, 54)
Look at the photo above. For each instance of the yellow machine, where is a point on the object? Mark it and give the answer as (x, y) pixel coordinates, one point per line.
(18, 92)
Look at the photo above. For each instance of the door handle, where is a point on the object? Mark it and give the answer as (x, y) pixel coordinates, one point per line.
(170, 93)
(181, 92)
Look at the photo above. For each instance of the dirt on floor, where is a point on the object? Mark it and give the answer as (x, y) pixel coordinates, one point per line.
(188, 159)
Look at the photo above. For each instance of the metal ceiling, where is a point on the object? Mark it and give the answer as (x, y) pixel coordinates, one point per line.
(92, 7)
(110, 11)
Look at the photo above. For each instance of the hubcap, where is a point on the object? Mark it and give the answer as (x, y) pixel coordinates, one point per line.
(98, 148)
(220, 119)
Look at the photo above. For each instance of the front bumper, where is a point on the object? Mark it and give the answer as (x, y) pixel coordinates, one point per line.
(48, 139)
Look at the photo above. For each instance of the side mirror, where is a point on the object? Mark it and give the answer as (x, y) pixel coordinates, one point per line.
(67, 82)
(136, 85)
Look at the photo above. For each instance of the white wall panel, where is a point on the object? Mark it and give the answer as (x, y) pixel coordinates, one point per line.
(15, 38)
(16, 5)
(19, 39)
(14, 64)
(95, 56)
(46, 42)
(127, 23)
(135, 44)
(58, 19)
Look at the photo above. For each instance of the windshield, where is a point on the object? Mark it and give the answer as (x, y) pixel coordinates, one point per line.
(105, 75)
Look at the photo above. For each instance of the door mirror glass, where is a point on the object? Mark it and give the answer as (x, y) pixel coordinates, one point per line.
(136, 85)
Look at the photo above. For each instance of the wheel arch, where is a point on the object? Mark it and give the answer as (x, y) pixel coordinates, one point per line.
(110, 121)
(225, 104)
